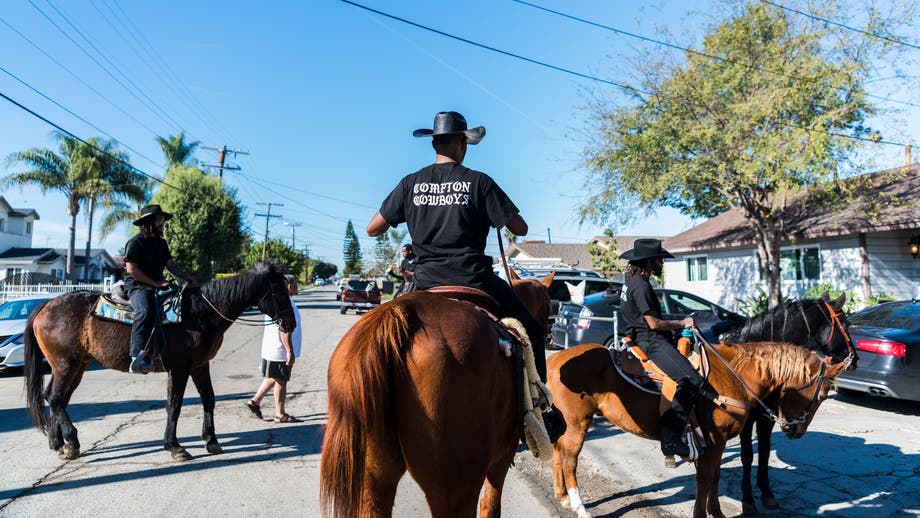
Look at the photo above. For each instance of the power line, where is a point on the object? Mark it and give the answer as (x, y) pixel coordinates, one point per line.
(689, 50)
(844, 26)
(68, 110)
(62, 130)
(104, 69)
(565, 70)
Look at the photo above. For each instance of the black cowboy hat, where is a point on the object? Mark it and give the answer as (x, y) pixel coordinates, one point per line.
(645, 249)
(448, 123)
(151, 211)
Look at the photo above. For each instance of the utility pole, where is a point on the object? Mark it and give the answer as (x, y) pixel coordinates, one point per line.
(268, 216)
(293, 226)
(221, 156)
(549, 237)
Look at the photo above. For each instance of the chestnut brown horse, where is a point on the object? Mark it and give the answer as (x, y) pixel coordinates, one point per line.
(65, 332)
(420, 383)
(583, 381)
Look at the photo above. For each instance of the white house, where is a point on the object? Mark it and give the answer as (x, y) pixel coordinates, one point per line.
(867, 246)
(15, 226)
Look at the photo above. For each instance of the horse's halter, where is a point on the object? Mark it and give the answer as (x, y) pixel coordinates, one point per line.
(818, 381)
(837, 324)
(276, 319)
(271, 293)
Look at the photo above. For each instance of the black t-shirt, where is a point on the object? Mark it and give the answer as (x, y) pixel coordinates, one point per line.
(150, 254)
(637, 299)
(408, 264)
(449, 210)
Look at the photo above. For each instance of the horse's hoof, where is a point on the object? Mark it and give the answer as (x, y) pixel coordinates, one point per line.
(54, 445)
(749, 509)
(181, 455)
(769, 502)
(564, 502)
(68, 452)
(214, 448)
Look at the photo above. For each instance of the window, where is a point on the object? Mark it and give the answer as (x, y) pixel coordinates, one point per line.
(13, 271)
(2, 225)
(28, 227)
(57, 272)
(696, 269)
(800, 264)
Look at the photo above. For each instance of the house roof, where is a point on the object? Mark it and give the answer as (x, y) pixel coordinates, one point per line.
(884, 200)
(78, 254)
(34, 254)
(21, 213)
(572, 254)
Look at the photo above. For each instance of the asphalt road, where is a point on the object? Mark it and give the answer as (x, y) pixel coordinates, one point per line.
(861, 456)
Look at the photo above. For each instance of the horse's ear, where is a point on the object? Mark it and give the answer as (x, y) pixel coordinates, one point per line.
(548, 280)
(841, 300)
(825, 297)
(835, 369)
(514, 275)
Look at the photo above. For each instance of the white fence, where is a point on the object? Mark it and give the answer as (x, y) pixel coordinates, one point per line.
(8, 292)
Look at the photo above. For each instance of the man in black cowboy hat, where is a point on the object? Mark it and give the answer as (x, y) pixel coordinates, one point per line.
(641, 311)
(449, 210)
(146, 254)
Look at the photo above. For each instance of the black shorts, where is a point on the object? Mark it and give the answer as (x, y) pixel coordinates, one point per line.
(276, 370)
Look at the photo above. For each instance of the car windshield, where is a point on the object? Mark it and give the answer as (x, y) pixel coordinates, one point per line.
(360, 285)
(897, 315)
(18, 309)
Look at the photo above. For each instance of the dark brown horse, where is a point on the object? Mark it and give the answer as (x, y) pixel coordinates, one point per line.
(818, 325)
(583, 381)
(420, 383)
(69, 337)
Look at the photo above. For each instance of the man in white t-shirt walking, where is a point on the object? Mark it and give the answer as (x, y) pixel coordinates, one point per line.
(278, 353)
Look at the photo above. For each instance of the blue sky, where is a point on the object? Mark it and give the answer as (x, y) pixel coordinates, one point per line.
(324, 96)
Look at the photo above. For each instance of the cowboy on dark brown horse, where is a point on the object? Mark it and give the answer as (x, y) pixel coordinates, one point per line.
(146, 254)
(644, 325)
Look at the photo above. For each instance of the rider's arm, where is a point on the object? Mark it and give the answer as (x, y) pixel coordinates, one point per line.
(179, 272)
(135, 271)
(517, 225)
(377, 226)
(657, 324)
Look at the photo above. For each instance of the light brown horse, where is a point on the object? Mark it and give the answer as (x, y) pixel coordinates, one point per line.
(420, 383)
(584, 381)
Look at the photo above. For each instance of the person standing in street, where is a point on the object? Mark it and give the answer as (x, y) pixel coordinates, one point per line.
(279, 350)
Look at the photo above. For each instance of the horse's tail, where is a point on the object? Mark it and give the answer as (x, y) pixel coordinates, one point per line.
(32, 371)
(360, 403)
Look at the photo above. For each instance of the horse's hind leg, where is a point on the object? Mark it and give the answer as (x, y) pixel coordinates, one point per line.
(384, 466)
(202, 379)
(491, 504)
(175, 391)
(764, 433)
(565, 465)
(747, 459)
(62, 434)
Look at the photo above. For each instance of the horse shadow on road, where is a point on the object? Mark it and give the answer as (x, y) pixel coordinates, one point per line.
(821, 474)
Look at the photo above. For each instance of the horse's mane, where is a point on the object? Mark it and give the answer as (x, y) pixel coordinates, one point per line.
(243, 286)
(773, 324)
(780, 361)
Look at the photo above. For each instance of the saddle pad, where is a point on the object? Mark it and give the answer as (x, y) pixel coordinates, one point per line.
(108, 309)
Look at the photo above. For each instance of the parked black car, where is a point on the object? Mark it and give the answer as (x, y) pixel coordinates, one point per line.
(574, 326)
(888, 339)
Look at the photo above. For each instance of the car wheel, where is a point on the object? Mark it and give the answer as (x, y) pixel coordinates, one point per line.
(342, 310)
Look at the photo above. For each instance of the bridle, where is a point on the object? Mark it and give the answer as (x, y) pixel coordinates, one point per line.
(255, 323)
(817, 381)
(837, 324)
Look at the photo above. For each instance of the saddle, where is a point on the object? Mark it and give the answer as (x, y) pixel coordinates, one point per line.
(635, 367)
(116, 307)
(533, 397)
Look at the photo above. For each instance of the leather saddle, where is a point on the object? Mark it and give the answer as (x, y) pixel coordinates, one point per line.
(636, 368)
(115, 306)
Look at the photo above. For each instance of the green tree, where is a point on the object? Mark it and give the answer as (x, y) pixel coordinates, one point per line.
(764, 113)
(604, 256)
(351, 251)
(207, 225)
(77, 170)
(320, 269)
(276, 250)
(177, 151)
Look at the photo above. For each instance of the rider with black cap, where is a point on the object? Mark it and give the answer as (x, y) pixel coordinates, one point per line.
(146, 254)
(641, 311)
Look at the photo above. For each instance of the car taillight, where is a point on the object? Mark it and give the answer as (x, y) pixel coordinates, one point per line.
(885, 347)
(583, 321)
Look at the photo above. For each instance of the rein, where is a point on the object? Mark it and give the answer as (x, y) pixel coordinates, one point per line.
(250, 322)
(501, 250)
(769, 413)
(837, 324)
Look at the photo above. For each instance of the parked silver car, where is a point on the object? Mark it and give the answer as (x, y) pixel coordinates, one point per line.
(13, 317)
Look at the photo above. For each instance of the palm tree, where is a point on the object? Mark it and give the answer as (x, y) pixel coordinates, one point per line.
(115, 181)
(66, 171)
(177, 150)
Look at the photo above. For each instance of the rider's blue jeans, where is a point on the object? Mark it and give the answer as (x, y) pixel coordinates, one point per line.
(146, 319)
